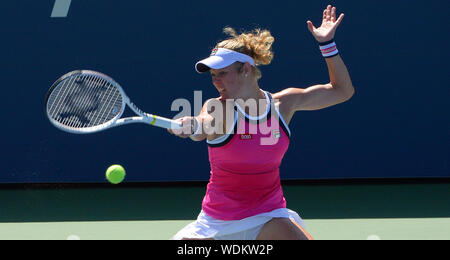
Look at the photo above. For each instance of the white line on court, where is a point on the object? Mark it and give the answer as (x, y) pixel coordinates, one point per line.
(373, 237)
(73, 237)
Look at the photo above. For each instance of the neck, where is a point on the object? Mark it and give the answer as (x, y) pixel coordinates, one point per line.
(246, 92)
(256, 97)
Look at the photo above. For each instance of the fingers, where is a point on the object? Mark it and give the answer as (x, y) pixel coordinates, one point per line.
(186, 130)
(329, 24)
(329, 14)
(339, 20)
(333, 14)
(311, 26)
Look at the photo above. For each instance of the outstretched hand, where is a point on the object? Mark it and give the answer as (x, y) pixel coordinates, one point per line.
(329, 25)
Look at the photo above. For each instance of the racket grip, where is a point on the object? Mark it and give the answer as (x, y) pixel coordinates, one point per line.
(164, 122)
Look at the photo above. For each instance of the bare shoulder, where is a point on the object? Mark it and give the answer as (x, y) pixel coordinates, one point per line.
(287, 96)
(285, 102)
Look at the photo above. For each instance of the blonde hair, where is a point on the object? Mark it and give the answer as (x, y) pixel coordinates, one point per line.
(256, 44)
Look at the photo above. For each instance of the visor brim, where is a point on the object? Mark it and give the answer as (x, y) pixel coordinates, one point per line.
(213, 62)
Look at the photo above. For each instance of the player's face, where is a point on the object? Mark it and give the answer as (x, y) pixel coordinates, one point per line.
(228, 79)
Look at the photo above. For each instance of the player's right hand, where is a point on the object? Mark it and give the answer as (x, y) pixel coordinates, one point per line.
(188, 124)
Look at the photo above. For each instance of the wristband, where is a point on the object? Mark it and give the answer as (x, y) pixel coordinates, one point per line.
(328, 49)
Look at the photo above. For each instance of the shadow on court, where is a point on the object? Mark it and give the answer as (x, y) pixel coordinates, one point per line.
(183, 202)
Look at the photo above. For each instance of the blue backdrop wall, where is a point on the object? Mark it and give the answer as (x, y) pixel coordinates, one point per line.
(396, 125)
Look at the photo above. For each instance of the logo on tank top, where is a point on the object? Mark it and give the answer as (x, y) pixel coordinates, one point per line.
(246, 137)
(276, 134)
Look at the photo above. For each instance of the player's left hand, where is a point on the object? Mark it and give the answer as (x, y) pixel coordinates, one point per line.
(329, 25)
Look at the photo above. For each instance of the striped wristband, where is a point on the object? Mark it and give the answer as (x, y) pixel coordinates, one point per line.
(328, 49)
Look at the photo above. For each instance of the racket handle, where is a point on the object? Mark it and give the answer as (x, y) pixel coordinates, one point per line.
(164, 122)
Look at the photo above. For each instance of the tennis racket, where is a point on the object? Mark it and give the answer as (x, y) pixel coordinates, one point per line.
(84, 102)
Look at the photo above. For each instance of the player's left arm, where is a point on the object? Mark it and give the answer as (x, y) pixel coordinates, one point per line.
(339, 89)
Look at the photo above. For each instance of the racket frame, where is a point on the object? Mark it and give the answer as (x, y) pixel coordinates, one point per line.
(117, 120)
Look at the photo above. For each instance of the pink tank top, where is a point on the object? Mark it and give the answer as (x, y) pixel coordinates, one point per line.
(245, 173)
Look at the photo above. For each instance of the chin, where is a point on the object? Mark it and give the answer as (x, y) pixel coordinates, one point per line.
(223, 93)
(220, 89)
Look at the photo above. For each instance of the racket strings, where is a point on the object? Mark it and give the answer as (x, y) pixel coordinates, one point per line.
(84, 101)
(109, 106)
(74, 110)
(57, 98)
(76, 105)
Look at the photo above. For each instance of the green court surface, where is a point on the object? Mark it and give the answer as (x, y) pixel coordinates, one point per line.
(331, 211)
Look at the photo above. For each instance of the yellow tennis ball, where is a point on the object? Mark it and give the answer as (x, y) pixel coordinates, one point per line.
(115, 174)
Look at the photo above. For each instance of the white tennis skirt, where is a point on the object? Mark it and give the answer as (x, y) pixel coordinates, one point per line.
(244, 229)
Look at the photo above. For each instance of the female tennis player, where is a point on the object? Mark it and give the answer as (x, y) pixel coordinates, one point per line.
(244, 198)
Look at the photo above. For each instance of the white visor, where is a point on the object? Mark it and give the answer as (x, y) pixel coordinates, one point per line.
(221, 58)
